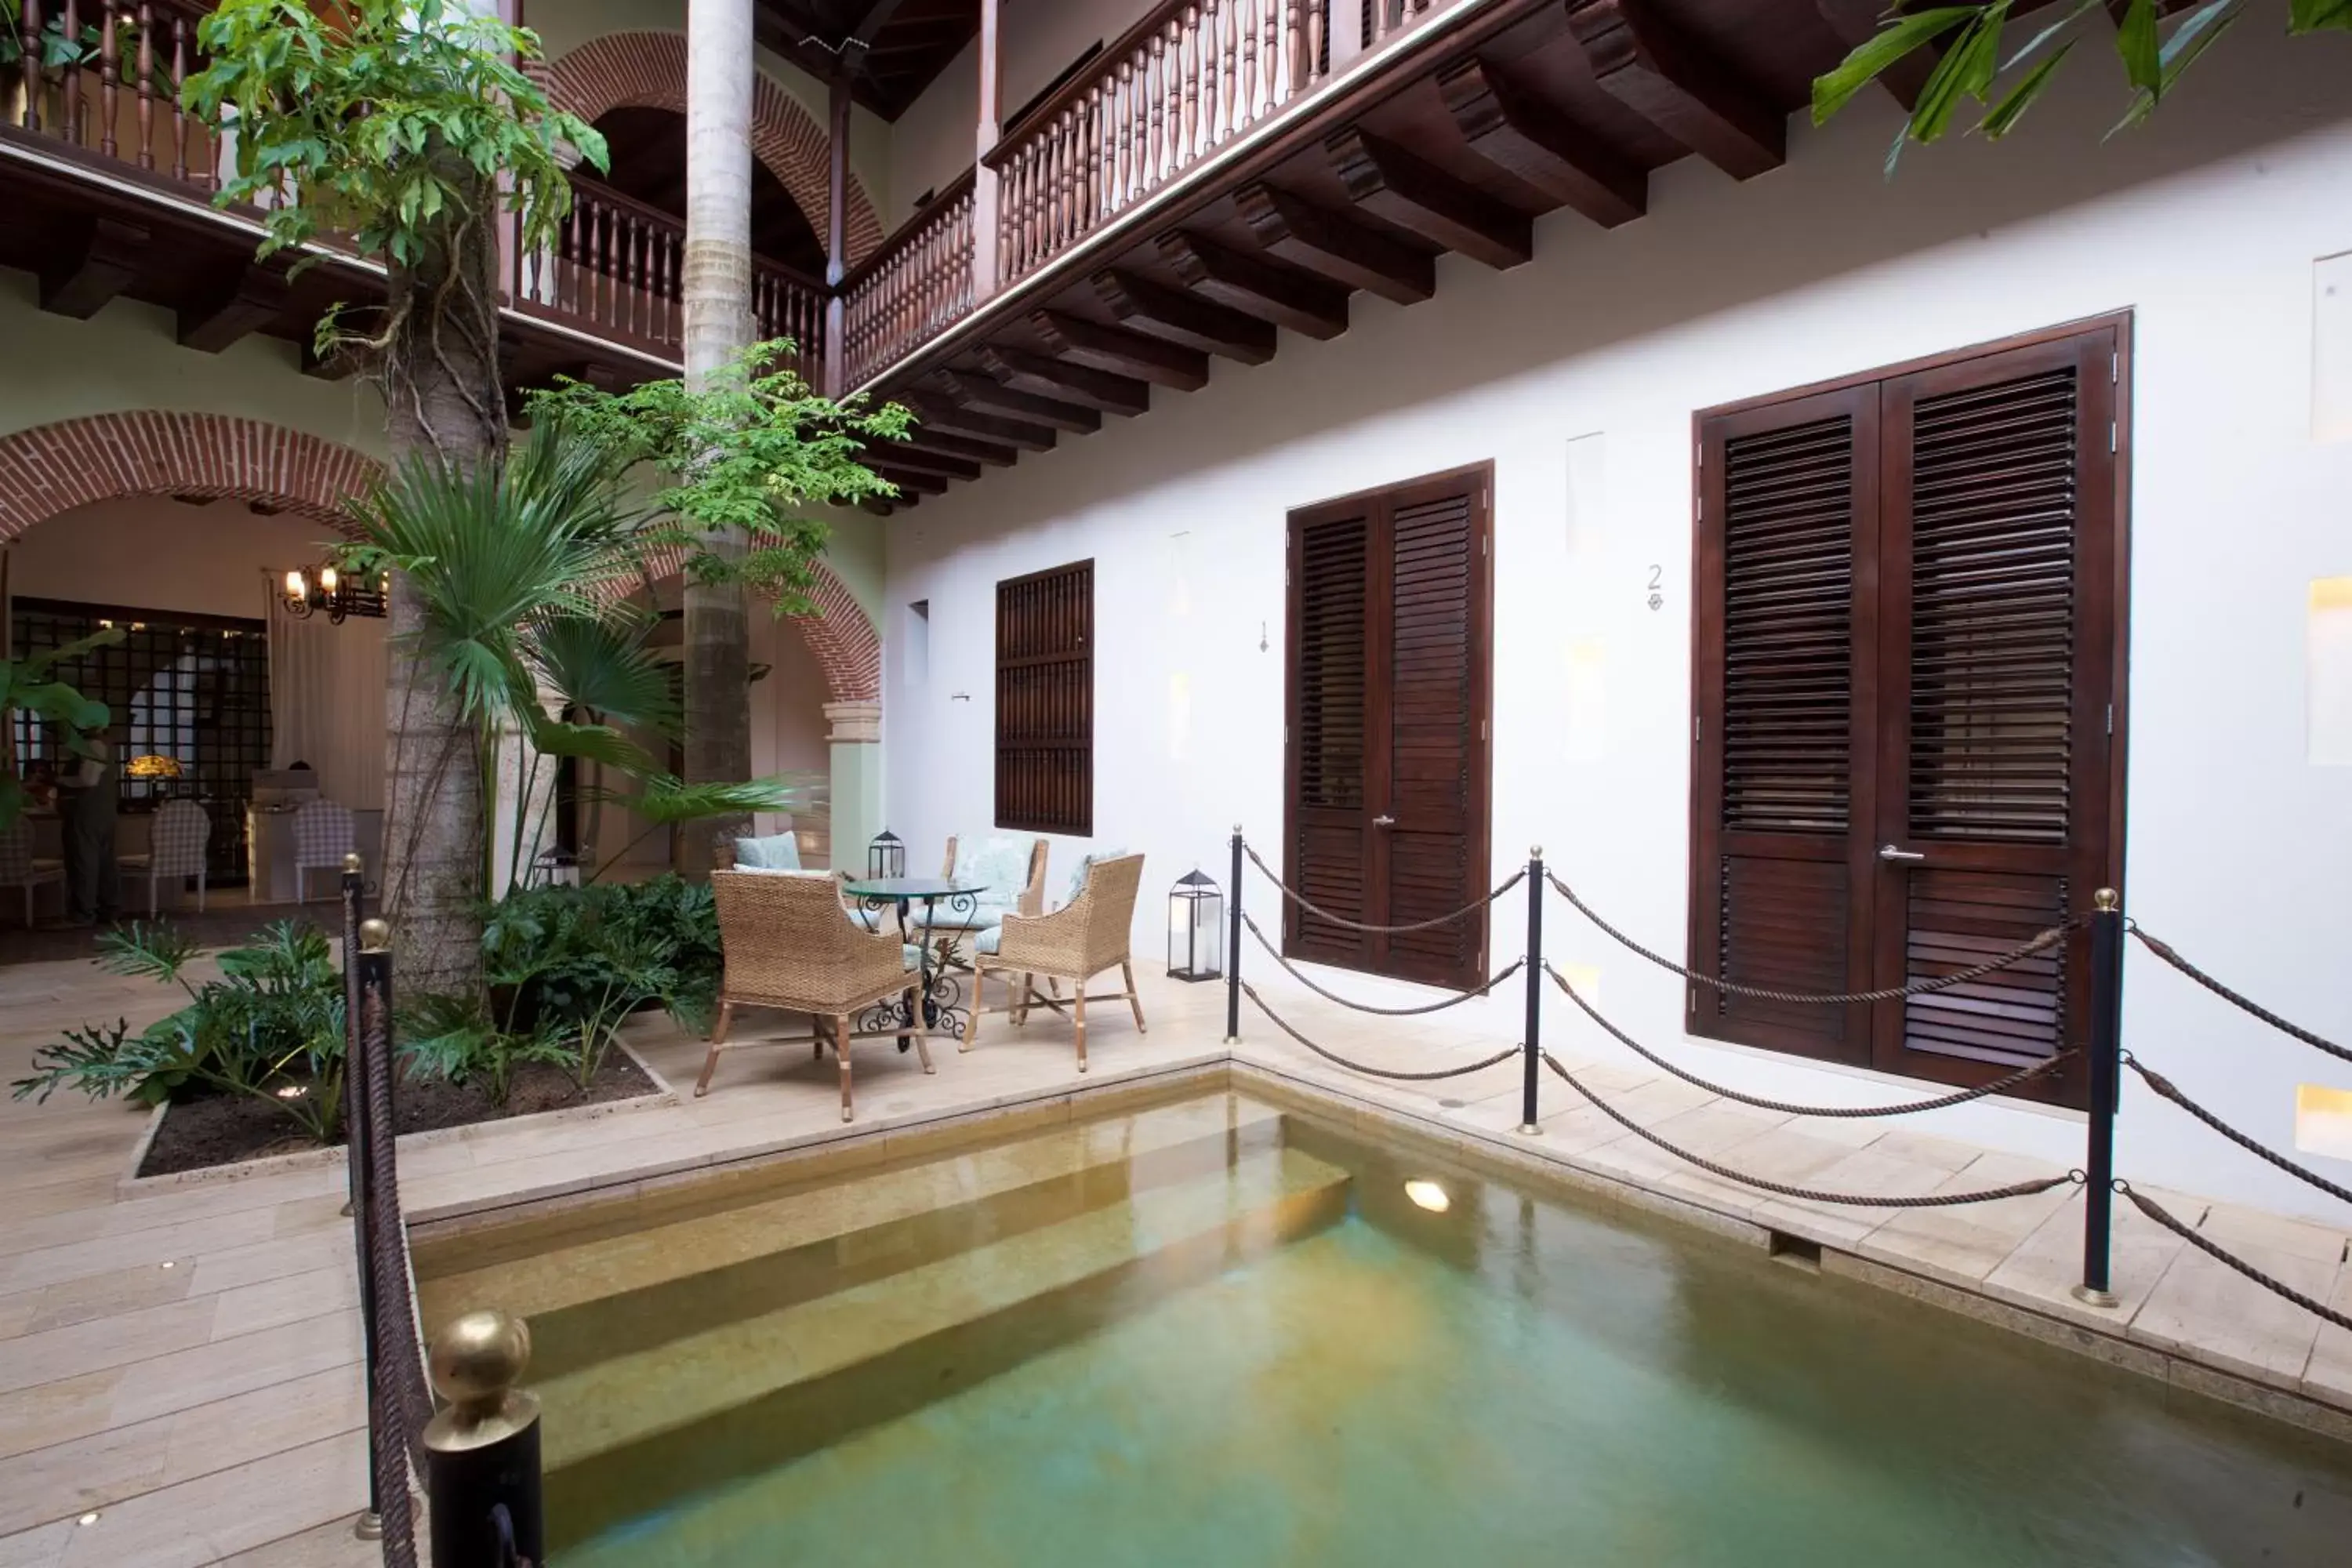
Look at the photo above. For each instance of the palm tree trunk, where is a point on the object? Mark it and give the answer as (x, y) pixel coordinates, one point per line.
(443, 402)
(717, 285)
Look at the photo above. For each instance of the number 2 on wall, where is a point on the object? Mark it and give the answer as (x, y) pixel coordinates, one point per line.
(1657, 581)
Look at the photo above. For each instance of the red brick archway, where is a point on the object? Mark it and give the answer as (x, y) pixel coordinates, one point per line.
(647, 70)
(53, 468)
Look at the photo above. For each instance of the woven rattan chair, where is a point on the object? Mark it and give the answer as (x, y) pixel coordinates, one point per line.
(1075, 943)
(175, 849)
(789, 945)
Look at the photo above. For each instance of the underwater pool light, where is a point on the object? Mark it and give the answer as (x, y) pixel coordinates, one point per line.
(1428, 1195)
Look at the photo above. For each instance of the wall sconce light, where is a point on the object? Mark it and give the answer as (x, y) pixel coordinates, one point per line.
(309, 589)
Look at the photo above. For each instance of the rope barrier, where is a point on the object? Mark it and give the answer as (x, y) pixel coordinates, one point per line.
(2189, 1233)
(2040, 942)
(403, 1402)
(2165, 1087)
(1296, 897)
(2244, 1004)
(1451, 999)
(1810, 1194)
(1333, 1056)
(1961, 1097)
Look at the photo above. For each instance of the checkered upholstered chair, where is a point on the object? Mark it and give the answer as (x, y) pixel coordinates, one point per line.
(19, 870)
(322, 837)
(786, 946)
(1075, 943)
(175, 849)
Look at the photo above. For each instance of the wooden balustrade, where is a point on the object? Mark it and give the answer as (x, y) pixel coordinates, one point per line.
(618, 265)
(118, 93)
(918, 283)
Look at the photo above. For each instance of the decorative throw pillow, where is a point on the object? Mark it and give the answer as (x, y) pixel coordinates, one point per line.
(780, 853)
(1086, 864)
(998, 862)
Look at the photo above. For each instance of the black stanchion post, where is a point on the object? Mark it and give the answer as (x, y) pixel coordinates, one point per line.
(2106, 1089)
(481, 1452)
(1533, 1053)
(1234, 951)
(367, 990)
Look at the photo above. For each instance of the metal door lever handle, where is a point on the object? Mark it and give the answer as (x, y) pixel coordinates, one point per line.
(1384, 822)
(1905, 857)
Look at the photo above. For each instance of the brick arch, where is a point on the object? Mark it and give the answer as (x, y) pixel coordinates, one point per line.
(837, 631)
(52, 469)
(647, 70)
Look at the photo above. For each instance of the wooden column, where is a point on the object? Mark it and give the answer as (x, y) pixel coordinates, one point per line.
(836, 233)
(986, 221)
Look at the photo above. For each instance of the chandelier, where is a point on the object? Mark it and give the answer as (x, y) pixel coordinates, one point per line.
(310, 589)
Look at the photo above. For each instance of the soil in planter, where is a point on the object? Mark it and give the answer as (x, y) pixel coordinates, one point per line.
(220, 1130)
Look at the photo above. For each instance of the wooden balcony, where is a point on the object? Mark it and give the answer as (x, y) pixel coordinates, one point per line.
(1231, 167)
(108, 187)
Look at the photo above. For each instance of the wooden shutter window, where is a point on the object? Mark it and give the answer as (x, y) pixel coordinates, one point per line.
(1044, 702)
(1432, 741)
(1330, 672)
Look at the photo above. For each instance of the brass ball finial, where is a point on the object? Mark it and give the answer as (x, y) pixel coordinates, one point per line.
(353, 863)
(1535, 852)
(375, 935)
(476, 1359)
(2106, 901)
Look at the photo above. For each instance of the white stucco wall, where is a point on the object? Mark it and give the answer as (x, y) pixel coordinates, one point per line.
(2206, 225)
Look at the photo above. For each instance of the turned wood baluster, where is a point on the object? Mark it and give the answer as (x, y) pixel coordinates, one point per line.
(109, 76)
(69, 78)
(1379, 22)
(146, 69)
(1131, 99)
(1252, 82)
(1092, 177)
(601, 310)
(1059, 233)
(1294, 51)
(178, 77)
(29, 60)
(1152, 116)
(1188, 68)
(1172, 94)
(1229, 119)
(1315, 40)
(1015, 244)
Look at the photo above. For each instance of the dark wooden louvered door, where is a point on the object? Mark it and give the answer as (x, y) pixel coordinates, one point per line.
(1786, 619)
(1906, 726)
(1386, 810)
(1999, 566)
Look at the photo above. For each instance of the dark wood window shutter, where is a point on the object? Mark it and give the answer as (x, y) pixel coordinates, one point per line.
(1045, 701)
(1908, 752)
(1387, 807)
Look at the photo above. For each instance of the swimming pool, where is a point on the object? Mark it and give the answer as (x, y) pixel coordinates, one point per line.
(1215, 1332)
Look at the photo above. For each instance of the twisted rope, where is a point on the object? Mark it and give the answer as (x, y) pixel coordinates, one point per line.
(2165, 1087)
(2041, 940)
(1960, 1097)
(1296, 897)
(1454, 999)
(1860, 1200)
(1334, 1057)
(402, 1403)
(2244, 1004)
(2190, 1235)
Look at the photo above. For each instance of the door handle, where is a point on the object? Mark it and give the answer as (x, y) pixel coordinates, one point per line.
(1889, 853)
(1384, 822)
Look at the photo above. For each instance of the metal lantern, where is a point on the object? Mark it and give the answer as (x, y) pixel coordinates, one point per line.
(1196, 929)
(885, 857)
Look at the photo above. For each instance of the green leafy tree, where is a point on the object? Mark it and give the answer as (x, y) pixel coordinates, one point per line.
(405, 130)
(27, 686)
(2154, 50)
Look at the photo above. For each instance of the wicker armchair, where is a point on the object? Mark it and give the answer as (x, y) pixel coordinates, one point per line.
(789, 945)
(1075, 943)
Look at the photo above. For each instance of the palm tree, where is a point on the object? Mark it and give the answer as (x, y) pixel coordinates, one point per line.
(717, 286)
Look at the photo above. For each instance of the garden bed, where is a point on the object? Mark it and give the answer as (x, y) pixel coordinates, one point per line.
(226, 1130)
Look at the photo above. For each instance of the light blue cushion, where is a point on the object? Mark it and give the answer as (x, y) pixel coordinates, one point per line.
(998, 862)
(985, 914)
(1086, 864)
(990, 940)
(780, 853)
(911, 956)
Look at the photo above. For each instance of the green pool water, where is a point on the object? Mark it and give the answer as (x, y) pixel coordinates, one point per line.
(1512, 1380)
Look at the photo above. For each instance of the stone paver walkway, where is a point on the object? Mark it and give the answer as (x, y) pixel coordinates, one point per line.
(182, 1362)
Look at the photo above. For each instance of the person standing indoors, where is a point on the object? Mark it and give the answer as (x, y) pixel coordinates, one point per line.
(86, 803)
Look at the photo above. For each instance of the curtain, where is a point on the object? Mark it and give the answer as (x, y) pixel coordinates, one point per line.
(326, 702)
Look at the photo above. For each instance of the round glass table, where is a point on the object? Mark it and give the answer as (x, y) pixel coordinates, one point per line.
(943, 992)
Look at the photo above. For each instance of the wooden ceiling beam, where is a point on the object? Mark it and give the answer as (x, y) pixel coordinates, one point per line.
(236, 303)
(915, 459)
(1077, 341)
(937, 413)
(1183, 318)
(1516, 129)
(1417, 195)
(1100, 389)
(1298, 300)
(992, 396)
(1650, 67)
(1335, 245)
(925, 438)
(910, 480)
(1856, 22)
(80, 276)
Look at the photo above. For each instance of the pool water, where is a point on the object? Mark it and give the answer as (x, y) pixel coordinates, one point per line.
(1213, 1333)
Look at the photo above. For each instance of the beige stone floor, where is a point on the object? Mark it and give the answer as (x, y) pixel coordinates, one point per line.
(182, 1363)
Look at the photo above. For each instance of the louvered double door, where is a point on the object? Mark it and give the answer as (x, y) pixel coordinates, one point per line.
(1387, 787)
(1906, 749)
